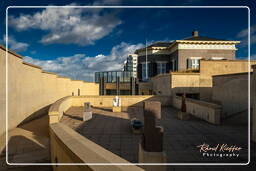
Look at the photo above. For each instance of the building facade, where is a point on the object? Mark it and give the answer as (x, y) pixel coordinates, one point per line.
(115, 82)
(163, 57)
(131, 64)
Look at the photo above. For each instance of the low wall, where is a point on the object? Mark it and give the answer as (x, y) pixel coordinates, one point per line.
(207, 111)
(161, 84)
(58, 108)
(184, 82)
(107, 101)
(68, 146)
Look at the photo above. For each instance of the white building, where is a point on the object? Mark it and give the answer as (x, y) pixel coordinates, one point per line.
(131, 64)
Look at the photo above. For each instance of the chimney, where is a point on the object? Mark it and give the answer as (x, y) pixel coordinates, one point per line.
(195, 33)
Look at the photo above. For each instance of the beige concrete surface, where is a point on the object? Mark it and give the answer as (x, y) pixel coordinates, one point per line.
(30, 89)
(231, 92)
(67, 146)
(209, 68)
(112, 131)
(28, 143)
(209, 112)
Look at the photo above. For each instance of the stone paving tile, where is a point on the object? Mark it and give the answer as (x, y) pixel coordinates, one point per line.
(112, 131)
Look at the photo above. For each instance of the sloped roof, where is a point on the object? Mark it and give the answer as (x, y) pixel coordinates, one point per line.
(203, 38)
(160, 44)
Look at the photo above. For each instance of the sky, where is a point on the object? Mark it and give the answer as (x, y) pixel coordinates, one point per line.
(76, 42)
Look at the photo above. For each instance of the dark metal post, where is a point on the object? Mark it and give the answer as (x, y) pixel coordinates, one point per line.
(102, 86)
(117, 85)
(132, 86)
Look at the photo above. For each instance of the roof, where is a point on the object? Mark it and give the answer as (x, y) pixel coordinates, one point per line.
(161, 44)
(203, 38)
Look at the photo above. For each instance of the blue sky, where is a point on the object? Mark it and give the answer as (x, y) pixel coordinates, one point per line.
(78, 42)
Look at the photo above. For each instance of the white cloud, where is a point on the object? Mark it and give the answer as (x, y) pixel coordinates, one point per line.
(80, 26)
(14, 45)
(80, 66)
(243, 36)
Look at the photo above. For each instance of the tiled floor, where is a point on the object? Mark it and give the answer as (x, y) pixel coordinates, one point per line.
(181, 138)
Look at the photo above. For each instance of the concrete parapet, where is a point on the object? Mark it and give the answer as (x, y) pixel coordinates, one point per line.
(209, 112)
(152, 157)
(58, 108)
(68, 146)
(107, 101)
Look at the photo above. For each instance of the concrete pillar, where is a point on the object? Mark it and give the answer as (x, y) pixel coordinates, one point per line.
(136, 86)
(253, 98)
(151, 147)
(117, 86)
(132, 86)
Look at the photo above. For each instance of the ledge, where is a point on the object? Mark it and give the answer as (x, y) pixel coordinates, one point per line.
(58, 108)
(32, 65)
(11, 52)
(81, 150)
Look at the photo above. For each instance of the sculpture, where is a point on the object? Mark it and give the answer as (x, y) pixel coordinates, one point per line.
(116, 101)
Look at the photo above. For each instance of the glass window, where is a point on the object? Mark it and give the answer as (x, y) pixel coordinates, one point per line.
(119, 74)
(109, 77)
(144, 73)
(113, 77)
(195, 63)
(97, 77)
(161, 67)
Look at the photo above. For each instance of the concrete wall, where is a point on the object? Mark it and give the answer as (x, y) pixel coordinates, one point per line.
(207, 111)
(2, 100)
(172, 83)
(145, 88)
(231, 92)
(67, 146)
(31, 89)
(253, 98)
(209, 68)
(161, 84)
(184, 82)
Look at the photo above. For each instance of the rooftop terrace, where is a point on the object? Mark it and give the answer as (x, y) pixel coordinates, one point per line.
(181, 138)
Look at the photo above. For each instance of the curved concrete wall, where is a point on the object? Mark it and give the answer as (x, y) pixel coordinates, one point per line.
(31, 89)
(68, 146)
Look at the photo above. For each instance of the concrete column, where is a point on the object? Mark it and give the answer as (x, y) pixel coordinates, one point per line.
(151, 147)
(253, 98)
(78, 92)
(132, 86)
